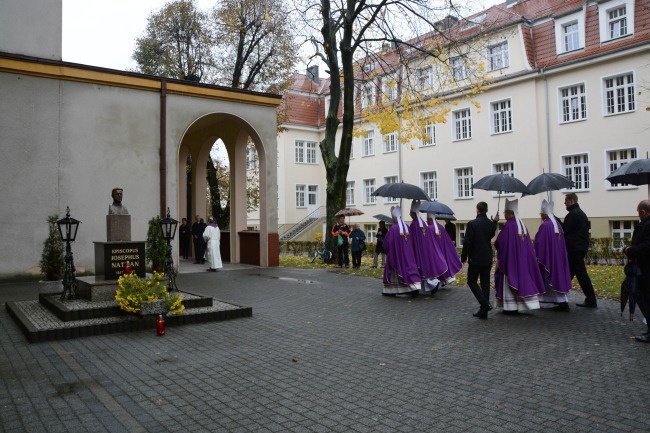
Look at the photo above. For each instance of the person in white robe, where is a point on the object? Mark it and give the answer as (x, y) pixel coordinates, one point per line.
(212, 237)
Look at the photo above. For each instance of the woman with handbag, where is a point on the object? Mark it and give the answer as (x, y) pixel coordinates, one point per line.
(358, 246)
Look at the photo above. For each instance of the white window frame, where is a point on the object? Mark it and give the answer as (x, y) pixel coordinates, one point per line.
(430, 135)
(368, 148)
(425, 78)
(619, 94)
(507, 168)
(573, 103)
(349, 193)
(369, 186)
(251, 157)
(391, 142)
(391, 179)
(371, 232)
(624, 230)
(458, 68)
(501, 116)
(312, 195)
(305, 152)
(389, 91)
(561, 25)
(461, 229)
(578, 171)
(429, 183)
(614, 158)
(498, 56)
(605, 21)
(462, 124)
(368, 96)
(463, 181)
(301, 193)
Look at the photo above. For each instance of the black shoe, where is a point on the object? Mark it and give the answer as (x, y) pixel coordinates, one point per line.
(645, 338)
(587, 305)
(510, 312)
(389, 294)
(481, 313)
(197, 263)
(562, 306)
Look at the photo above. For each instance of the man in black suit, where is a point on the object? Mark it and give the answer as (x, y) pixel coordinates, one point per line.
(576, 236)
(477, 249)
(199, 244)
(639, 253)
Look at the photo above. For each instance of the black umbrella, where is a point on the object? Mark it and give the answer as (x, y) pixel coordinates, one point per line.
(445, 216)
(401, 190)
(548, 182)
(501, 183)
(384, 218)
(435, 207)
(629, 288)
(633, 173)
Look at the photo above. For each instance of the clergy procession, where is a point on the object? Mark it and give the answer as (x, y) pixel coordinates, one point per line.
(421, 258)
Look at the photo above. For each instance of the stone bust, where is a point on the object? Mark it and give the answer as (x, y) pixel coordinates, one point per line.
(116, 208)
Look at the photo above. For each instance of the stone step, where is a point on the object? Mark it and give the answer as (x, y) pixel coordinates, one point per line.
(39, 323)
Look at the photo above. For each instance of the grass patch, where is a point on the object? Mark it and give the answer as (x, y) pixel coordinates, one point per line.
(605, 278)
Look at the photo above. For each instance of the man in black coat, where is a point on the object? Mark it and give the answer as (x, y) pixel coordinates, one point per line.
(197, 235)
(576, 236)
(639, 253)
(477, 249)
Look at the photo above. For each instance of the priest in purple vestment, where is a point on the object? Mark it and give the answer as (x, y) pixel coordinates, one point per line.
(517, 277)
(400, 273)
(428, 259)
(443, 243)
(551, 252)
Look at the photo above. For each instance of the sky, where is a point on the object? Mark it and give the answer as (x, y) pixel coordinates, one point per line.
(101, 33)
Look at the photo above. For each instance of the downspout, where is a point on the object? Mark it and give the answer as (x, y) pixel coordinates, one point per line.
(548, 122)
(163, 148)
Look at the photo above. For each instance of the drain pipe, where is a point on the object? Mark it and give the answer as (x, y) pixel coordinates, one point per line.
(548, 126)
(163, 148)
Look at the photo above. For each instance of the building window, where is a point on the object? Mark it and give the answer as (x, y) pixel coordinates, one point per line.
(501, 117)
(461, 229)
(621, 230)
(367, 95)
(617, 22)
(306, 152)
(619, 94)
(429, 135)
(349, 193)
(464, 180)
(300, 195)
(458, 68)
(616, 158)
(498, 57)
(369, 143)
(574, 103)
(390, 179)
(576, 168)
(462, 125)
(390, 142)
(371, 232)
(425, 78)
(571, 36)
(429, 182)
(251, 157)
(389, 87)
(507, 168)
(615, 19)
(312, 195)
(368, 189)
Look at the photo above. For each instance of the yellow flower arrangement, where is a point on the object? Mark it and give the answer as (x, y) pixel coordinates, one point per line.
(132, 291)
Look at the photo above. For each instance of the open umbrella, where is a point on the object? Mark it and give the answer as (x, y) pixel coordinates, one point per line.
(349, 211)
(435, 207)
(445, 216)
(546, 182)
(384, 218)
(633, 173)
(401, 190)
(501, 183)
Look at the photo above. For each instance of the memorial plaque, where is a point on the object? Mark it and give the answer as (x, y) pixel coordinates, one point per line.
(111, 257)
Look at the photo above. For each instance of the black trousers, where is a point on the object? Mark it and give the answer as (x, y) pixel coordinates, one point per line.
(344, 258)
(356, 258)
(482, 292)
(578, 269)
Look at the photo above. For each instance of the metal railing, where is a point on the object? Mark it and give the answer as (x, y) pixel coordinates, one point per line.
(304, 224)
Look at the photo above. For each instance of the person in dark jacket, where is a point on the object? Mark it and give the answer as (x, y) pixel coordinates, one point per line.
(576, 236)
(199, 244)
(477, 251)
(639, 253)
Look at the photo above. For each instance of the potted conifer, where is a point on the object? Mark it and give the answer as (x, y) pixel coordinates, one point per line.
(52, 259)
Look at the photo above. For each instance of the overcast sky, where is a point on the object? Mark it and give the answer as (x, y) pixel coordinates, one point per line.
(103, 33)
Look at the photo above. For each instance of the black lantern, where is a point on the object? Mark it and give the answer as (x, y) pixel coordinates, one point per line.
(168, 228)
(68, 230)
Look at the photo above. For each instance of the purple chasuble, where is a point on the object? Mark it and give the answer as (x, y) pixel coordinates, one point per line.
(550, 249)
(516, 259)
(429, 259)
(442, 242)
(400, 258)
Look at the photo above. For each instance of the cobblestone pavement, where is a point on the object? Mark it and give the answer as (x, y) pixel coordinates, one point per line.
(325, 352)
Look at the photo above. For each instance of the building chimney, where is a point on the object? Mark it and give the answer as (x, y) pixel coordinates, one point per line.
(312, 73)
